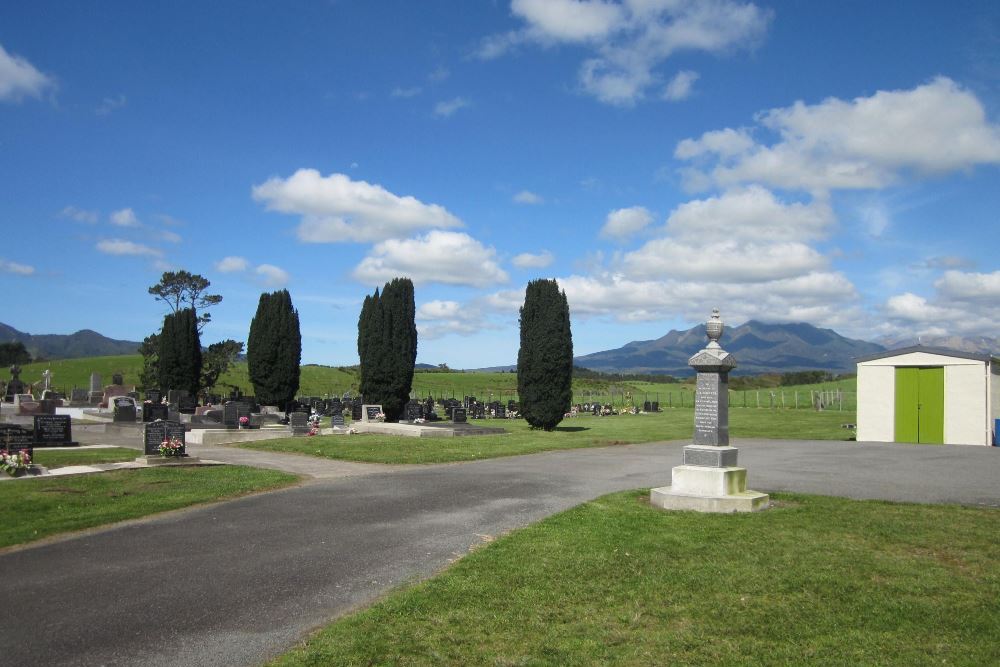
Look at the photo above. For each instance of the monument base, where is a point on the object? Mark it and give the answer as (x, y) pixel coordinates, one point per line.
(702, 489)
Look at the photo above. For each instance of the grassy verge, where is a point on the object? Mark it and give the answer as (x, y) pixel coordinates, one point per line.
(58, 458)
(815, 580)
(37, 508)
(572, 433)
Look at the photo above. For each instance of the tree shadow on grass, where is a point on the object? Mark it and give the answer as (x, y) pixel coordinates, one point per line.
(571, 429)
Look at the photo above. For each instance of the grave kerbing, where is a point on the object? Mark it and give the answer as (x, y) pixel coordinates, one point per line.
(709, 479)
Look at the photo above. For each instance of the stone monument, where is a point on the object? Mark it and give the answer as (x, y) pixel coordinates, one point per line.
(709, 479)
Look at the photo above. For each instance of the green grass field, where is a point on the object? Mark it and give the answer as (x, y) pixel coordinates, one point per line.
(573, 433)
(326, 380)
(58, 458)
(814, 580)
(44, 506)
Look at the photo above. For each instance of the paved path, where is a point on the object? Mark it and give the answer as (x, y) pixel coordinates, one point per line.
(238, 582)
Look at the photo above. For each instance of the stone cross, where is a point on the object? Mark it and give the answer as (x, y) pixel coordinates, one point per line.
(47, 379)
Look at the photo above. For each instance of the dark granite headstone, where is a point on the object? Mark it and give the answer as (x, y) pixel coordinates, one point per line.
(153, 411)
(124, 407)
(14, 438)
(116, 379)
(647, 406)
(78, 396)
(459, 415)
(187, 405)
(174, 395)
(299, 423)
(52, 430)
(414, 411)
(154, 433)
(656, 406)
(232, 411)
(500, 412)
(47, 406)
(356, 410)
(373, 412)
(154, 395)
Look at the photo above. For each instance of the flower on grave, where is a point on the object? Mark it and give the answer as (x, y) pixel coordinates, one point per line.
(11, 463)
(380, 417)
(244, 420)
(171, 447)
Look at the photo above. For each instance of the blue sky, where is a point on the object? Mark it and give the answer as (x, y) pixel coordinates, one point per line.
(833, 163)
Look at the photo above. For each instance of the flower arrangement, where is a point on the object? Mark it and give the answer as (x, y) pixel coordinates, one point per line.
(244, 421)
(171, 447)
(12, 463)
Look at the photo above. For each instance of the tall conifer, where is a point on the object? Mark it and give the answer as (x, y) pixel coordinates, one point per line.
(180, 352)
(545, 358)
(387, 346)
(274, 350)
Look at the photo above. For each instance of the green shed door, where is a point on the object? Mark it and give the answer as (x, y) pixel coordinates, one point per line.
(920, 405)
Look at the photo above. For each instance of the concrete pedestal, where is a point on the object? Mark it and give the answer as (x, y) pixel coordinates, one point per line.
(704, 489)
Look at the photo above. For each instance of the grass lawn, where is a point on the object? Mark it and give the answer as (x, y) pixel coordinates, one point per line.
(572, 433)
(37, 508)
(814, 580)
(58, 458)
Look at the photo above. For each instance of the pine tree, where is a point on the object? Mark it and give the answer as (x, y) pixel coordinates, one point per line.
(545, 359)
(387, 346)
(274, 350)
(180, 352)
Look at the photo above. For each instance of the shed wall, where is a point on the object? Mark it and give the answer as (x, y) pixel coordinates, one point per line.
(965, 405)
(876, 402)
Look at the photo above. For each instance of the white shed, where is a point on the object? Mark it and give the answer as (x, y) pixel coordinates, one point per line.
(928, 395)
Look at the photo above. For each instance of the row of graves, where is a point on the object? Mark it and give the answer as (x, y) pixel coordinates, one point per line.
(607, 409)
(46, 431)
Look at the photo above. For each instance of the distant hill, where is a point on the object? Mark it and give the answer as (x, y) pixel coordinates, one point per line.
(758, 348)
(978, 345)
(83, 343)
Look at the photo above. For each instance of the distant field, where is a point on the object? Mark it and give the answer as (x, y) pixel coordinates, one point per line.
(327, 380)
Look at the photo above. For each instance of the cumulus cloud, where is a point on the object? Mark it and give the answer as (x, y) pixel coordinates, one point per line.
(20, 79)
(124, 218)
(962, 303)
(447, 108)
(864, 143)
(122, 247)
(623, 223)
(528, 197)
(450, 258)
(436, 319)
(232, 264)
(79, 214)
(681, 86)
(628, 41)
(15, 268)
(335, 208)
(527, 260)
(962, 286)
(272, 276)
(728, 260)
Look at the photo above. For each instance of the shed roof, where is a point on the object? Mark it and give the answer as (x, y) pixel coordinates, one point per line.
(943, 351)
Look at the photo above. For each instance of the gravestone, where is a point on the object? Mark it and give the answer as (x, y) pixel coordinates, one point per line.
(187, 405)
(14, 438)
(232, 411)
(78, 397)
(111, 392)
(95, 382)
(117, 380)
(299, 423)
(52, 430)
(153, 411)
(414, 411)
(154, 433)
(124, 409)
(647, 406)
(500, 412)
(459, 415)
(656, 406)
(174, 395)
(154, 395)
(15, 386)
(356, 412)
(336, 413)
(371, 413)
(709, 479)
(47, 406)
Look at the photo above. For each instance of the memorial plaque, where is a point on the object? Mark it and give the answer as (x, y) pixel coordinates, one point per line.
(372, 412)
(711, 418)
(459, 415)
(154, 433)
(153, 411)
(712, 457)
(14, 438)
(53, 430)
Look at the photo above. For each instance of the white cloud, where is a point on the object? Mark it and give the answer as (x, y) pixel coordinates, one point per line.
(169, 236)
(623, 223)
(406, 93)
(122, 247)
(124, 218)
(630, 40)
(875, 218)
(79, 215)
(109, 104)
(447, 108)
(450, 258)
(962, 286)
(15, 268)
(272, 276)
(436, 319)
(20, 79)
(724, 260)
(865, 143)
(681, 86)
(232, 264)
(527, 260)
(750, 214)
(963, 304)
(528, 197)
(337, 209)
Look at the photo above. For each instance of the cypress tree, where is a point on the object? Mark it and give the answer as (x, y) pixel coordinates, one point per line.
(274, 350)
(180, 352)
(387, 346)
(545, 359)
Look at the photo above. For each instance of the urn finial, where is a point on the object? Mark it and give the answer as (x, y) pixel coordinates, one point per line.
(714, 328)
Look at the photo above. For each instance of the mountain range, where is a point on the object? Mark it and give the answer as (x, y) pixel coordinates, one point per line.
(757, 347)
(83, 343)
